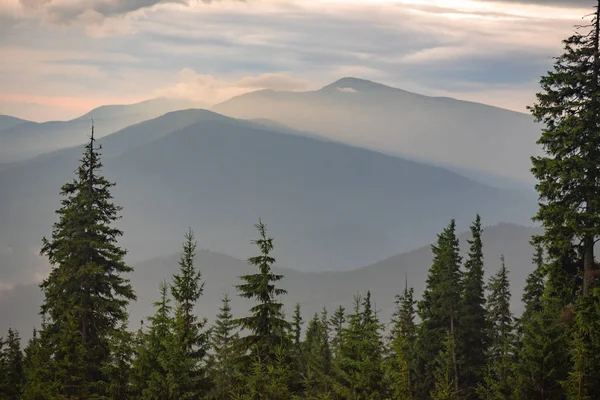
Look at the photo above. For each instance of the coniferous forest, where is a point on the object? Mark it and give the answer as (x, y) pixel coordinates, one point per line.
(459, 341)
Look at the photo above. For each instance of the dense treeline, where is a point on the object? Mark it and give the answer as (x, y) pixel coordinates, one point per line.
(460, 341)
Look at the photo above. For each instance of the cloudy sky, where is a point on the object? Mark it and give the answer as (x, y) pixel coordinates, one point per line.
(60, 58)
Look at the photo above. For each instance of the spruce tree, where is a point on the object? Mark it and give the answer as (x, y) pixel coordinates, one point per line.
(12, 376)
(498, 380)
(439, 310)
(150, 380)
(39, 378)
(542, 364)
(359, 367)
(337, 323)
(474, 338)
(86, 293)
(568, 173)
(400, 362)
(188, 344)
(118, 368)
(223, 365)
(266, 325)
(317, 361)
(444, 387)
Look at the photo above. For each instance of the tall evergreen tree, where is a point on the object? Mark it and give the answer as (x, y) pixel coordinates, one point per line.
(400, 363)
(149, 375)
(439, 310)
(359, 368)
(39, 379)
(499, 382)
(86, 293)
(568, 173)
(12, 376)
(542, 363)
(445, 388)
(223, 341)
(474, 338)
(337, 323)
(188, 345)
(267, 326)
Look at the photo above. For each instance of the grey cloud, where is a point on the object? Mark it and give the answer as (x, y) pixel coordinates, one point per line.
(59, 12)
(562, 3)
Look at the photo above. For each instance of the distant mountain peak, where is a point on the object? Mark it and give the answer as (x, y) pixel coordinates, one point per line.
(353, 85)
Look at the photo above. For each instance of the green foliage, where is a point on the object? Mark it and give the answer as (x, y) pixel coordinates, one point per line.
(316, 357)
(583, 381)
(499, 380)
(337, 323)
(86, 294)
(474, 338)
(39, 378)
(445, 387)
(267, 326)
(224, 354)
(359, 366)
(149, 375)
(187, 345)
(542, 360)
(400, 362)
(12, 375)
(439, 309)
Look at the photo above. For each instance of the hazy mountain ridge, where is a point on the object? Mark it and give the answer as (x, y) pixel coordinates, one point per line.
(429, 129)
(311, 289)
(8, 122)
(29, 139)
(331, 205)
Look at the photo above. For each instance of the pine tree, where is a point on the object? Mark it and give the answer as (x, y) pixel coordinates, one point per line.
(267, 326)
(337, 323)
(39, 378)
(583, 381)
(400, 363)
(224, 356)
(118, 367)
(188, 344)
(568, 173)
(474, 339)
(445, 388)
(297, 326)
(86, 294)
(359, 367)
(316, 358)
(542, 361)
(499, 381)
(149, 375)
(268, 379)
(439, 310)
(12, 376)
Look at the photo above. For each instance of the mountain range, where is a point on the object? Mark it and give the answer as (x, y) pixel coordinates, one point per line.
(480, 141)
(21, 139)
(332, 206)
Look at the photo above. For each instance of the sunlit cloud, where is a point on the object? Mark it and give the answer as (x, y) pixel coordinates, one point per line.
(68, 55)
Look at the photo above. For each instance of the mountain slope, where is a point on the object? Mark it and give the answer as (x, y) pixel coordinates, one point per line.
(29, 139)
(330, 205)
(312, 290)
(8, 122)
(443, 131)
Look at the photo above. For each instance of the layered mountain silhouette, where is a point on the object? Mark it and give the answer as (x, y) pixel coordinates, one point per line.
(20, 139)
(487, 143)
(330, 206)
(313, 290)
(8, 122)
